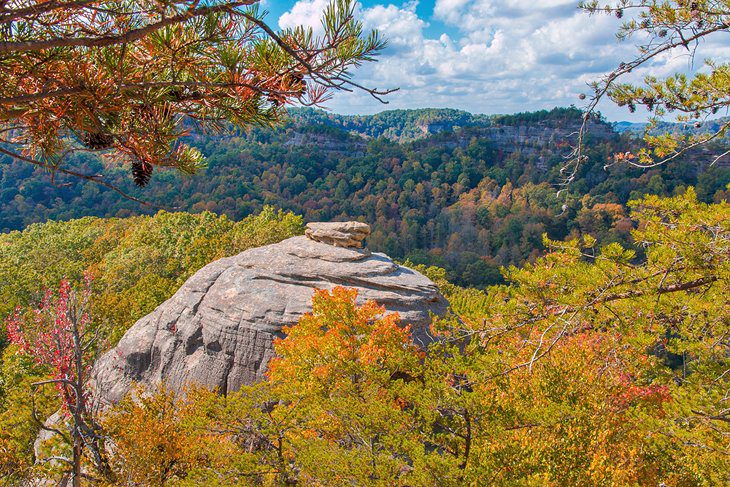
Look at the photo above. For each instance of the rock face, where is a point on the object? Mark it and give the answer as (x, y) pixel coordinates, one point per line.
(217, 330)
(339, 234)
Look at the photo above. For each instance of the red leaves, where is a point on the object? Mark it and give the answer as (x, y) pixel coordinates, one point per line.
(50, 334)
(633, 394)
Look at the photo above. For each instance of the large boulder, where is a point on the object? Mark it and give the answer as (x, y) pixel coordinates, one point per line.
(218, 329)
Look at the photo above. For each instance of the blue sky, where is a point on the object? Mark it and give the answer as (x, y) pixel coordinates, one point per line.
(487, 56)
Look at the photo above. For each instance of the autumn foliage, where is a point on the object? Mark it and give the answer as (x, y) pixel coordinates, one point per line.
(59, 337)
(49, 337)
(592, 367)
(339, 376)
(340, 341)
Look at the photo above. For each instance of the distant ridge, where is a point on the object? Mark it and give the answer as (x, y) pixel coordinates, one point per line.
(686, 128)
(407, 125)
(410, 125)
(396, 125)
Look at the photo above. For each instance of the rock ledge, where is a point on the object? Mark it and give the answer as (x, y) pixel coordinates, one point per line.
(218, 328)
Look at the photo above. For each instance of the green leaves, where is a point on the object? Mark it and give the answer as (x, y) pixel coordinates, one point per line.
(137, 263)
(590, 367)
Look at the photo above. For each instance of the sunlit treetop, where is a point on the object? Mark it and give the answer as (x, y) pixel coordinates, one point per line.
(129, 78)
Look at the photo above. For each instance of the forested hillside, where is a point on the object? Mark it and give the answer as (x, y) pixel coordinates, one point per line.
(641, 331)
(469, 193)
(136, 262)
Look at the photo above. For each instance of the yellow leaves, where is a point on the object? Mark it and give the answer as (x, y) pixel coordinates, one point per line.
(589, 241)
(560, 421)
(663, 145)
(151, 446)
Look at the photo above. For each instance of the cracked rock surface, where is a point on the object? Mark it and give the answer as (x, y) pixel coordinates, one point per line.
(218, 328)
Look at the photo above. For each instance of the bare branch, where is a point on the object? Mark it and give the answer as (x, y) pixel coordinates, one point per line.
(93, 178)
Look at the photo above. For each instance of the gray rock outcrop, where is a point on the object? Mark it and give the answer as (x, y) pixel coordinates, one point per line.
(218, 329)
(339, 234)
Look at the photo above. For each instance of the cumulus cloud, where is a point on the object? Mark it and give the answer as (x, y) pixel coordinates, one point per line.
(490, 56)
(304, 12)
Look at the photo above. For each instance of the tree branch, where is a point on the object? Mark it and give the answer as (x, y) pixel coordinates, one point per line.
(127, 37)
(87, 177)
(577, 157)
(685, 286)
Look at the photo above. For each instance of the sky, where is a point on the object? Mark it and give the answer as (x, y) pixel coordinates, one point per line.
(488, 56)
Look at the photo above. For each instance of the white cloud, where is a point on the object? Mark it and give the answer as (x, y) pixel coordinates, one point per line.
(492, 56)
(402, 26)
(304, 12)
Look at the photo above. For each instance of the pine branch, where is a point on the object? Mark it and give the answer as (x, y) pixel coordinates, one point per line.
(125, 38)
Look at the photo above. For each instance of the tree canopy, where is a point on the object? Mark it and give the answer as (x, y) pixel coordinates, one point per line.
(468, 199)
(592, 366)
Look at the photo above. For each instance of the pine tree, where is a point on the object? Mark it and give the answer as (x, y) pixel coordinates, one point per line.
(130, 79)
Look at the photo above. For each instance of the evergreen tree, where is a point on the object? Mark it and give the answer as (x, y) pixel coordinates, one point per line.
(129, 79)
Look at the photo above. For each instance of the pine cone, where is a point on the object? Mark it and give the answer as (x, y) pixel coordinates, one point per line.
(97, 140)
(141, 173)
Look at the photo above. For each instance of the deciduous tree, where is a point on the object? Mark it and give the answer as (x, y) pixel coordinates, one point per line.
(59, 336)
(638, 336)
(340, 375)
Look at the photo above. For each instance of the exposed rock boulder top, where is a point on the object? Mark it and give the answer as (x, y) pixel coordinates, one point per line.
(218, 329)
(339, 234)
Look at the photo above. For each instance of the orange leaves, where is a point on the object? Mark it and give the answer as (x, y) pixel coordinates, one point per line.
(624, 157)
(340, 338)
(385, 337)
(151, 446)
(338, 380)
(322, 371)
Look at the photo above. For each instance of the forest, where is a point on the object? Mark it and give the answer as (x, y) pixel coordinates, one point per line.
(474, 195)
(543, 298)
(351, 399)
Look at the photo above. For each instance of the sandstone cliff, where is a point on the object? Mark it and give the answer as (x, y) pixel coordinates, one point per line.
(218, 329)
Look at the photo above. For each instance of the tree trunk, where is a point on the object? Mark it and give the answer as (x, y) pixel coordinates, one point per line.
(77, 459)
